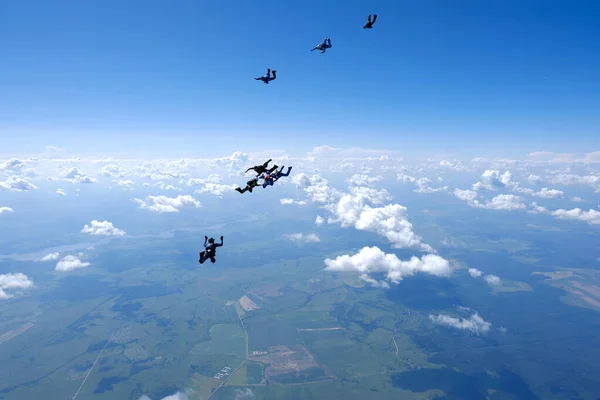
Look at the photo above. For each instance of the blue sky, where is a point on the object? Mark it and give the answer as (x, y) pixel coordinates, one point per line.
(109, 76)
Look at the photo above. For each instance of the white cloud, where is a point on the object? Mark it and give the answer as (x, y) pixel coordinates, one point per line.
(493, 180)
(475, 273)
(104, 228)
(12, 165)
(474, 324)
(50, 257)
(592, 216)
(302, 238)
(492, 280)
(69, 263)
(534, 179)
(112, 170)
(537, 209)
(505, 202)
(124, 184)
(13, 281)
(17, 184)
(292, 201)
(319, 220)
(364, 180)
(371, 260)
(60, 192)
(164, 204)
(390, 221)
(549, 193)
(576, 199)
(73, 175)
(316, 187)
(6, 209)
(499, 202)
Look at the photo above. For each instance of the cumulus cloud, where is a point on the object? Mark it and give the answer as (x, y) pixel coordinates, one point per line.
(17, 184)
(319, 220)
(316, 187)
(500, 202)
(164, 204)
(6, 210)
(592, 216)
(492, 280)
(74, 175)
(60, 192)
(50, 257)
(12, 165)
(534, 179)
(124, 184)
(69, 263)
(475, 324)
(372, 260)
(13, 281)
(112, 170)
(102, 228)
(364, 180)
(493, 180)
(211, 185)
(390, 221)
(302, 238)
(549, 193)
(292, 201)
(475, 273)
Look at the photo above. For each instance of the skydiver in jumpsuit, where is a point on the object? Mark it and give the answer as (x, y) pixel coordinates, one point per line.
(251, 184)
(210, 250)
(270, 179)
(261, 169)
(323, 46)
(267, 78)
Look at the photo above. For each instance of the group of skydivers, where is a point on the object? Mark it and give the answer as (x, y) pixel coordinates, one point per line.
(326, 44)
(269, 177)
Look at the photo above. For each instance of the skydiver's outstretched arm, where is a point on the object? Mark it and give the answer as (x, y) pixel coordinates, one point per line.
(274, 75)
(273, 169)
(205, 240)
(374, 19)
(219, 244)
(314, 48)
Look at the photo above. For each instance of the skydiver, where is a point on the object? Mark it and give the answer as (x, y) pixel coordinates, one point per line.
(261, 169)
(280, 174)
(323, 46)
(251, 184)
(267, 180)
(210, 250)
(369, 24)
(271, 178)
(267, 78)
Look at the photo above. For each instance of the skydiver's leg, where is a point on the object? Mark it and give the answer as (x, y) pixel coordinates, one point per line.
(328, 42)
(242, 190)
(202, 259)
(374, 18)
(212, 260)
(288, 173)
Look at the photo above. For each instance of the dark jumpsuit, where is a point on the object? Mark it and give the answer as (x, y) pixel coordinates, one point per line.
(210, 250)
(249, 186)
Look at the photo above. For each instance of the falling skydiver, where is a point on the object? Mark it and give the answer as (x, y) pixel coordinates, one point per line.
(267, 78)
(270, 178)
(261, 169)
(251, 184)
(323, 46)
(369, 24)
(280, 174)
(210, 250)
